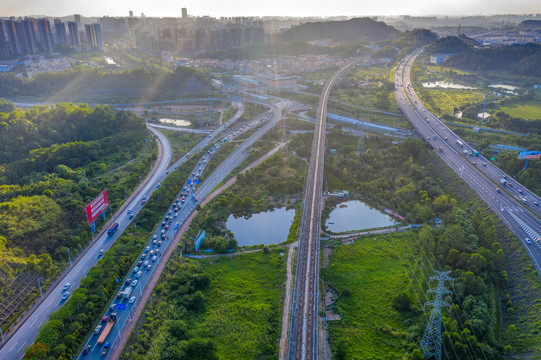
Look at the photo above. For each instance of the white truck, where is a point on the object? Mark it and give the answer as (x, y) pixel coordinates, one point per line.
(127, 292)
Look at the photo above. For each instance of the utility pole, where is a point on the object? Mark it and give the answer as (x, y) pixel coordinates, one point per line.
(69, 256)
(483, 117)
(431, 341)
(39, 284)
(1, 333)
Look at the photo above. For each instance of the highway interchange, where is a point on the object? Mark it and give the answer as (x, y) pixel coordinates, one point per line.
(15, 346)
(522, 219)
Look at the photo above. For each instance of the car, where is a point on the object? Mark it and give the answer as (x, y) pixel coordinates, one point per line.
(139, 262)
(154, 242)
(139, 273)
(101, 252)
(132, 300)
(105, 319)
(105, 349)
(134, 283)
(143, 202)
(146, 263)
(97, 330)
(131, 216)
(162, 232)
(158, 186)
(144, 197)
(151, 253)
(149, 267)
(128, 280)
(163, 238)
(87, 349)
(129, 211)
(112, 307)
(157, 251)
(166, 227)
(498, 190)
(166, 172)
(154, 258)
(159, 244)
(119, 295)
(154, 237)
(135, 269)
(66, 286)
(163, 223)
(65, 295)
(143, 256)
(147, 249)
(169, 212)
(528, 241)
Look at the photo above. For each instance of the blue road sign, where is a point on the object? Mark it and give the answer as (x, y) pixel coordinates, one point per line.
(120, 306)
(117, 279)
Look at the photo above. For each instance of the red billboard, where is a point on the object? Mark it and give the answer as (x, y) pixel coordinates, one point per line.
(94, 209)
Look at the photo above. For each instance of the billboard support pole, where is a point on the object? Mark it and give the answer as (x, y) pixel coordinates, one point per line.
(526, 164)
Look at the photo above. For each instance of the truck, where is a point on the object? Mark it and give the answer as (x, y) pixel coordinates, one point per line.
(475, 153)
(503, 182)
(112, 229)
(459, 143)
(465, 152)
(127, 292)
(105, 332)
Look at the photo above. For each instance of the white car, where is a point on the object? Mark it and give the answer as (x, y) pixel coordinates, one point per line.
(132, 300)
(66, 287)
(138, 275)
(528, 241)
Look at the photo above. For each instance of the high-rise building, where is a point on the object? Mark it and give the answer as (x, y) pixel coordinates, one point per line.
(45, 36)
(131, 13)
(93, 36)
(14, 47)
(27, 36)
(77, 19)
(184, 13)
(75, 39)
(4, 45)
(60, 32)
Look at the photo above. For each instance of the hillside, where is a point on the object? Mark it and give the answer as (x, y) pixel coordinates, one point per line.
(353, 30)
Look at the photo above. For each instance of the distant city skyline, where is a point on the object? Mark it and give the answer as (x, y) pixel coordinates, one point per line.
(299, 8)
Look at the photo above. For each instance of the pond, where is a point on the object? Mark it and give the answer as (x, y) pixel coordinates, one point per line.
(175, 122)
(446, 85)
(264, 228)
(356, 215)
(505, 87)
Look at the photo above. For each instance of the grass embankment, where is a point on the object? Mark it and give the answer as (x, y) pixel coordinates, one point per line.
(232, 305)
(181, 142)
(526, 109)
(369, 274)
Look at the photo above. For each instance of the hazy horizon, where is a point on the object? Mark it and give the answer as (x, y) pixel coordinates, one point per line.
(304, 8)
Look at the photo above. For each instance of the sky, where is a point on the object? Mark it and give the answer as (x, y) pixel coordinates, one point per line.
(217, 8)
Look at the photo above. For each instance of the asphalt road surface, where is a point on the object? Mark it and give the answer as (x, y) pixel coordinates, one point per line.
(190, 194)
(521, 219)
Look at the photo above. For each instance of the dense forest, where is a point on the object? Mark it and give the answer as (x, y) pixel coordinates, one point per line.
(54, 160)
(516, 58)
(85, 83)
(352, 30)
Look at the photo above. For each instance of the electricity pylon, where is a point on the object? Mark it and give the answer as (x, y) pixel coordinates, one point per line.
(431, 341)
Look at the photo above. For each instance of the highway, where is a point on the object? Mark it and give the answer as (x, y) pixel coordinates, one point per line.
(24, 336)
(190, 193)
(304, 320)
(485, 181)
(14, 348)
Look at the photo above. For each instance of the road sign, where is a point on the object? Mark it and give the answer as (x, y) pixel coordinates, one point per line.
(120, 307)
(94, 209)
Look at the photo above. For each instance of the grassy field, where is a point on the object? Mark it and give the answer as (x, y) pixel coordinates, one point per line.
(245, 303)
(443, 101)
(231, 305)
(528, 109)
(369, 274)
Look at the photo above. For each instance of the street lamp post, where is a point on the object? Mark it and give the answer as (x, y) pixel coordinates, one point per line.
(69, 256)
(1, 333)
(39, 284)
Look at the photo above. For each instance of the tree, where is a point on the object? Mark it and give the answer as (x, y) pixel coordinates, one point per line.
(402, 302)
(38, 351)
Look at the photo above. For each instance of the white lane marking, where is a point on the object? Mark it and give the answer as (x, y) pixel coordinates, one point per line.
(22, 346)
(13, 346)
